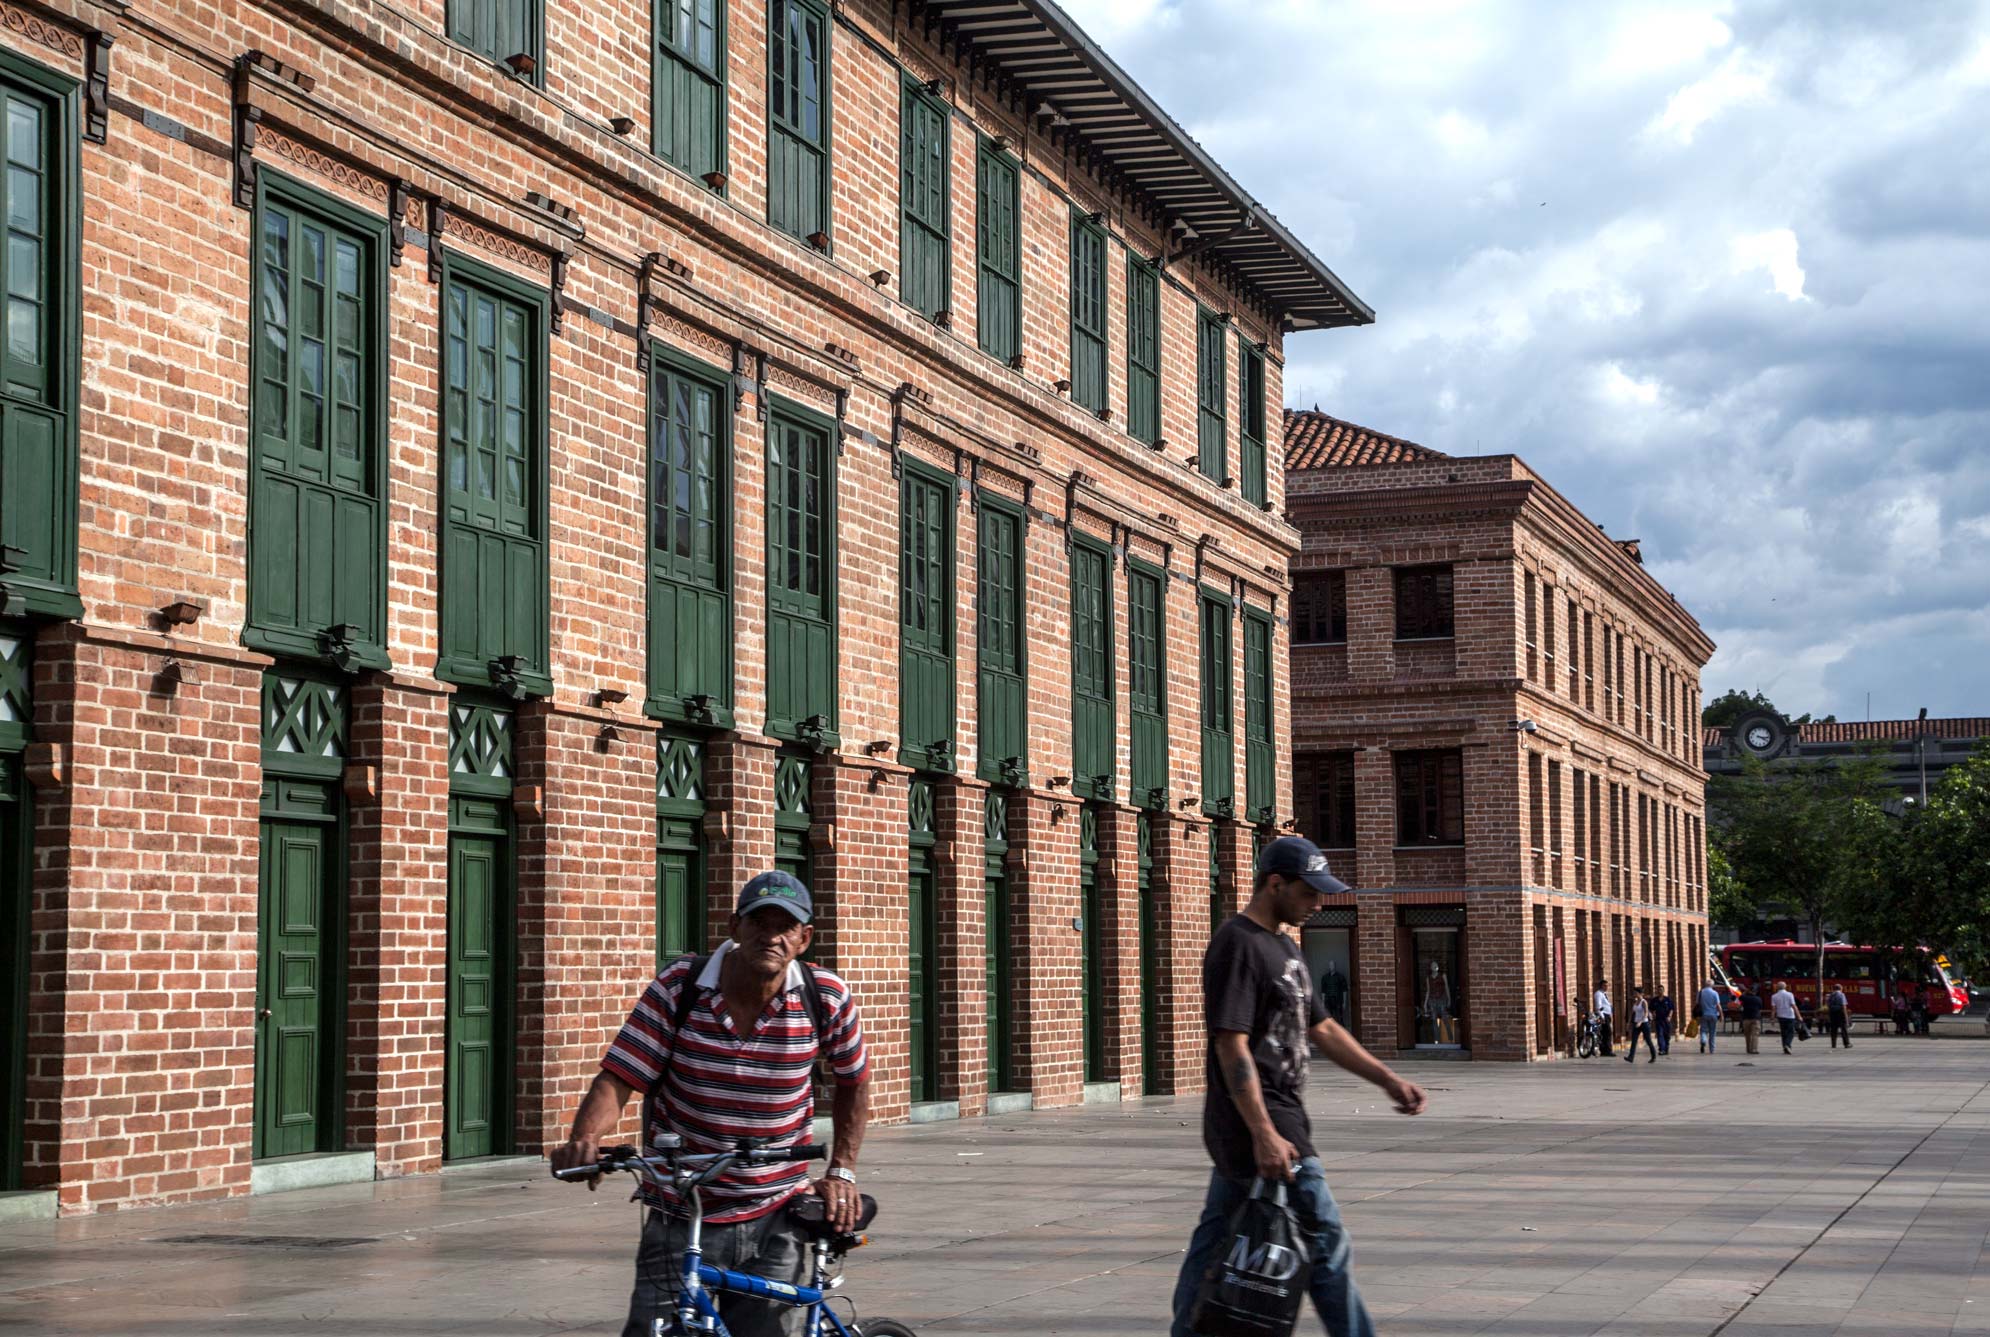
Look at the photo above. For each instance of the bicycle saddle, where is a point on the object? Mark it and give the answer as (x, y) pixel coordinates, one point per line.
(810, 1214)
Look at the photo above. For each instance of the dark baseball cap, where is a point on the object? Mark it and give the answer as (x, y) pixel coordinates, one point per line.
(1296, 856)
(776, 888)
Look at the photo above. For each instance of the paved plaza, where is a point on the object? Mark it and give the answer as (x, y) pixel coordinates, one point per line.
(1826, 1193)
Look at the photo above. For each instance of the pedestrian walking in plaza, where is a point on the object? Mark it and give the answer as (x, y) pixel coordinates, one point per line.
(1902, 1016)
(1751, 1019)
(1600, 1005)
(1917, 1009)
(1261, 1011)
(1784, 1004)
(1640, 1026)
(748, 1023)
(1710, 1016)
(1661, 1020)
(1835, 1020)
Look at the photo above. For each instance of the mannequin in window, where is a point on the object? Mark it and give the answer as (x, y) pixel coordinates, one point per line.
(1437, 1006)
(1333, 993)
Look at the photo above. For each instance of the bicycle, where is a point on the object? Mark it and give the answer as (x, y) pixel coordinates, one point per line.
(697, 1312)
(1589, 1036)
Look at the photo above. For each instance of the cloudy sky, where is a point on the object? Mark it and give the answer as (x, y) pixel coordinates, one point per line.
(1720, 271)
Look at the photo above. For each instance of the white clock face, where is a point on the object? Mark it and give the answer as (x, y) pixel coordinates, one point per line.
(1759, 737)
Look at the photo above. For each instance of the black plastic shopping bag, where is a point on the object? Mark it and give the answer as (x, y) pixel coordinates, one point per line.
(1257, 1281)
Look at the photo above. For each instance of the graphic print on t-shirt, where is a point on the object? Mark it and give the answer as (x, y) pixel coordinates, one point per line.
(1284, 1050)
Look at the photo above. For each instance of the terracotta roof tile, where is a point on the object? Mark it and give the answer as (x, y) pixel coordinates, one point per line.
(1876, 731)
(1315, 440)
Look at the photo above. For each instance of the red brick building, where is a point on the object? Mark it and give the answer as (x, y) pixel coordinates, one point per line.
(483, 477)
(1495, 727)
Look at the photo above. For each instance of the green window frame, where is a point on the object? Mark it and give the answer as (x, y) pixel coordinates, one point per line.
(798, 153)
(1260, 779)
(925, 198)
(1212, 373)
(998, 257)
(1088, 313)
(1147, 683)
(1143, 351)
(1219, 778)
(318, 415)
(1251, 423)
(689, 546)
(801, 575)
(40, 341)
(926, 618)
(494, 480)
(497, 30)
(1093, 704)
(1001, 643)
(688, 84)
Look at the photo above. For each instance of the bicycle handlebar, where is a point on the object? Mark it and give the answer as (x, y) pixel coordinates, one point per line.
(629, 1159)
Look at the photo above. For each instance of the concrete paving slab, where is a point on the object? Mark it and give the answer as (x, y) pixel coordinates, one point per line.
(1556, 1201)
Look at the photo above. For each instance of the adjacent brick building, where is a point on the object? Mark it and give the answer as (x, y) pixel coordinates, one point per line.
(1495, 718)
(483, 477)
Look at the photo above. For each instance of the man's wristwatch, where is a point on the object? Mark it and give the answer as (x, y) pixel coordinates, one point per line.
(841, 1172)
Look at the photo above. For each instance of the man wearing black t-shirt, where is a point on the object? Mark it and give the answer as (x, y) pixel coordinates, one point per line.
(1261, 1011)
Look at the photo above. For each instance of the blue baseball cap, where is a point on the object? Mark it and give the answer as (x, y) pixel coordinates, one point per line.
(1296, 856)
(776, 888)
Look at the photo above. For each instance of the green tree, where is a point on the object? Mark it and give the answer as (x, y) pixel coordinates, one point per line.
(1947, 861)
(1729, 900)
(1731, 705)
(1786, 832)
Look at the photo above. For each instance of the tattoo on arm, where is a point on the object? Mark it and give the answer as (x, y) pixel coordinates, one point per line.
(1241, 1075)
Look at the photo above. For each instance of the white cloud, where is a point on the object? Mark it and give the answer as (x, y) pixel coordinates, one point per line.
(1739, 80)
(1617, 387)
(1774, 252)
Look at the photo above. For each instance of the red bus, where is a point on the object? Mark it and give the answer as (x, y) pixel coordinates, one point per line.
(1860, 971)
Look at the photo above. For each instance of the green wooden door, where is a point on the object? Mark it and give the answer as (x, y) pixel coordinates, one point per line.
(1150, 963)
(690, 598)
(926, 620)
(1260, 792)
(997, 253)
(999, 644)
(1088, 313)
(925, 252)
(680, 890)
(14, 836)
(688, 85)
(1091, 945)
(295, 977)
(801, 578)
(922, 946)
(995, 941)
(477, 1077)
(1091, 671)
(1147, 686)
(798, 74)
(1211, 376)
(1219, 776)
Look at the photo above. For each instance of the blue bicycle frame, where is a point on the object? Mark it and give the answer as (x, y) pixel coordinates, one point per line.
(697, 1312)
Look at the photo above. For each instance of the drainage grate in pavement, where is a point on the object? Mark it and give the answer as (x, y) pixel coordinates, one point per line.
(269, 1241)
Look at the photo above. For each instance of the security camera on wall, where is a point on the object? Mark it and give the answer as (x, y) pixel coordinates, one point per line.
(1524, 726)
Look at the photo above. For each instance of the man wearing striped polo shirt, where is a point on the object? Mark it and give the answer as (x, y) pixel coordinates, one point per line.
(733, 1058)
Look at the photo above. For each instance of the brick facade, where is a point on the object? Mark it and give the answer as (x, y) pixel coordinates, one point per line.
(141, 770)
(1528, 871)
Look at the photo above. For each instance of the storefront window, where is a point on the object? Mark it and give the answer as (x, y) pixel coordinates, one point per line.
(1440, 1002)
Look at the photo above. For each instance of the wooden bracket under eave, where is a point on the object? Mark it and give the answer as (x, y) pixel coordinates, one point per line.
(97, 86)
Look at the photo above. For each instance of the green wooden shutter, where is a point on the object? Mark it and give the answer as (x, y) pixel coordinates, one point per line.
(1260, 782)
(494, 577)
(1211, 374)
(1091, 671)
(500, 29)
(1091, 945)
(1001, 702)
(922, 945)
(1088, 313)
(1143, 352)
(793, 813)
(798, 117)
(1251, 424)
(1147, 685)
(801, 571)
(1218, 727)
(38, 345)
(926, 619)
(317, 539)
(997, 253)
(690, 542)
(925, 246)
(688, 85)
(1152, 915)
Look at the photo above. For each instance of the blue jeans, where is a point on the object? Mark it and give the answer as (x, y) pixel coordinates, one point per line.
(1332, 1284)
(1708, 1025)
